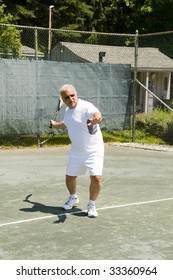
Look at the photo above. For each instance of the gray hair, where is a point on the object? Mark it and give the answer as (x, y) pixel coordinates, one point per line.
(66, 87)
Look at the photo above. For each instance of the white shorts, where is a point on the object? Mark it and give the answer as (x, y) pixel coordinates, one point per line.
(79, 165)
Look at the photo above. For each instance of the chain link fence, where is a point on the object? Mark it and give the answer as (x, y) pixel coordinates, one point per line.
(38, 43)
(163, 41)
(150, 56)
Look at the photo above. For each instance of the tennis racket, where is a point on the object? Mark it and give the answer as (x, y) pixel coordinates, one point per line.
(60, 103)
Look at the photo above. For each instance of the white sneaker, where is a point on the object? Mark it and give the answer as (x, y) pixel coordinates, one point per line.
(70, 203)
(92, 213)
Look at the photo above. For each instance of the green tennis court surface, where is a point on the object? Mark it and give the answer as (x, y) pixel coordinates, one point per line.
(135, 207)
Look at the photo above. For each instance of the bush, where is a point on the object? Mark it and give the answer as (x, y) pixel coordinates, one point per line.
(158, 123)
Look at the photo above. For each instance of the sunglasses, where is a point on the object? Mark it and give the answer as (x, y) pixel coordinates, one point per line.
(68, 97)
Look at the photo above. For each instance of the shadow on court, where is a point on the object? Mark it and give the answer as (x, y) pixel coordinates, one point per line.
(61, 214)
(135, 207)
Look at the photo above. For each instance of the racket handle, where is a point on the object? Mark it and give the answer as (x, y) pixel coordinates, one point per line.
(50, 125)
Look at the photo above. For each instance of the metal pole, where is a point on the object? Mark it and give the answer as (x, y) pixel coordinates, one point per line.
(36, 44)
(50, 28)
(134, 89)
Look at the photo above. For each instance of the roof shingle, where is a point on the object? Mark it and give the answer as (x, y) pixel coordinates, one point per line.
(148, 58)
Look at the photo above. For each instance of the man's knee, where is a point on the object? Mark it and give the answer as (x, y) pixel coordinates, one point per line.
(96, 179)
(70, 178)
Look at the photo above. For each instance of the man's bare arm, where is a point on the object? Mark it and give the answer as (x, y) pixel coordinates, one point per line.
(58, 125)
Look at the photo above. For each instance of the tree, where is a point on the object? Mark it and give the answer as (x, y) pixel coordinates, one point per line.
(24, 12)
(112, 16)
(125, 16)
(67, 14)
(73, 15)
(10, 43)
(161, 17)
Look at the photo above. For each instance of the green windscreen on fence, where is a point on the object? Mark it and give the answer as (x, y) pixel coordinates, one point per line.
(30, 90)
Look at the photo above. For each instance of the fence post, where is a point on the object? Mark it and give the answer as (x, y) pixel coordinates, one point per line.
(38, 141)
(36, 44)
(134, 89)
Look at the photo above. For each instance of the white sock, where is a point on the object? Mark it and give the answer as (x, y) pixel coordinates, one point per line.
(73, 195)
(91, 202)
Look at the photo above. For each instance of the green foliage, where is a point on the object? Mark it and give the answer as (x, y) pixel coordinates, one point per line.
(93, 39)
(158, 123)
(125, 136)
(120, 16)
(4, 18)
(9, 142)
(32, 141)
(24, 12)
(143, 137)
(10, 42)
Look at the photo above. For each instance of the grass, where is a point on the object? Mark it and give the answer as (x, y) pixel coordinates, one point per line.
(7, 142)
(126, 136)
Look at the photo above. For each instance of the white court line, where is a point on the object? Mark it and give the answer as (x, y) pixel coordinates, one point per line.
(83, 211)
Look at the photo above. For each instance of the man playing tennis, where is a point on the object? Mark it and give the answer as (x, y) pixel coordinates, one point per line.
(82, 120)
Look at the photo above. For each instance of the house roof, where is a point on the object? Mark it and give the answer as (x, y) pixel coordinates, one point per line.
(30, 52)
(148, 58)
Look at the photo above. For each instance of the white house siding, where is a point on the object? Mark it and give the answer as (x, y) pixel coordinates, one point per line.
(145, 101)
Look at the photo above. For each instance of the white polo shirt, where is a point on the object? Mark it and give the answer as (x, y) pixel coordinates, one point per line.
(83, 141)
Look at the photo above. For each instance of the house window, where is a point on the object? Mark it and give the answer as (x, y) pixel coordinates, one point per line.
(166, 83)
